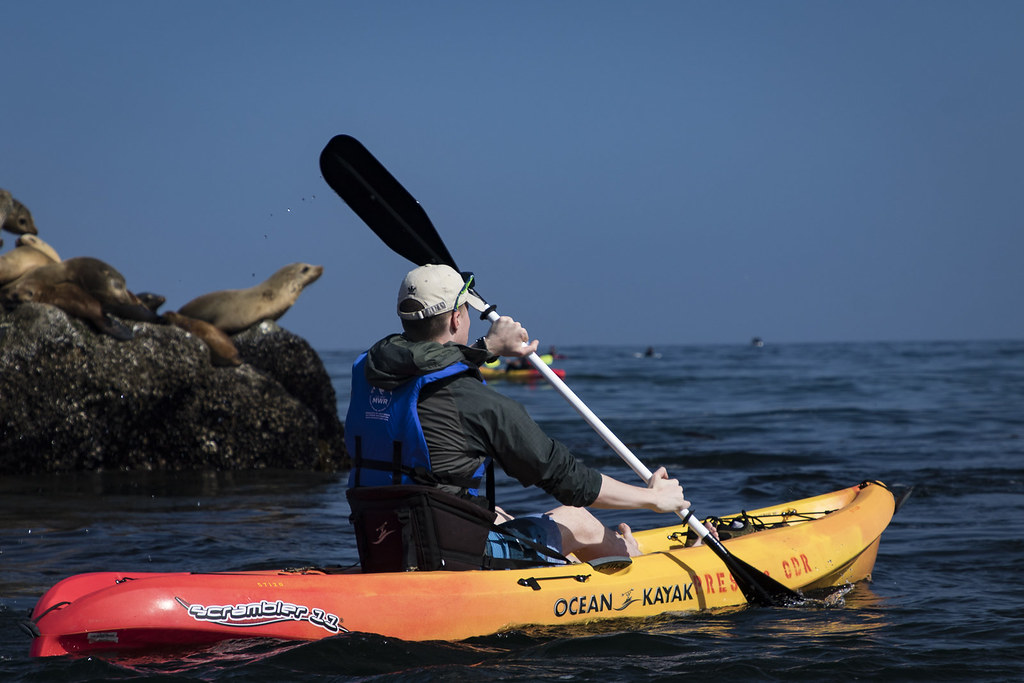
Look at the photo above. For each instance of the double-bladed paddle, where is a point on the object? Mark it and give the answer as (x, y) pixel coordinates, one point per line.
(399, 220)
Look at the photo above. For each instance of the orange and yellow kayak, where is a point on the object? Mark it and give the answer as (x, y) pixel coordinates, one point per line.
(820, 542)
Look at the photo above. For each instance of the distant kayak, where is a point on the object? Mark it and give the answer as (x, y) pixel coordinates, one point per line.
(524, 375)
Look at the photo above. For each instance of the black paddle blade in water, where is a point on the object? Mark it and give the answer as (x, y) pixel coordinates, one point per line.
(381, 201)
(757, 587)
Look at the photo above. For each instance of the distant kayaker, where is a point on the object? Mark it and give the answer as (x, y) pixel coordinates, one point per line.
(518, 364)
(461, 424)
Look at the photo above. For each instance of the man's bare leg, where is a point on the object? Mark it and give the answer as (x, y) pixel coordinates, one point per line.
(587, 538)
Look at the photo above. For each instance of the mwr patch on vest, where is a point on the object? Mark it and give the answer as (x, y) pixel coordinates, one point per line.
(410, 528)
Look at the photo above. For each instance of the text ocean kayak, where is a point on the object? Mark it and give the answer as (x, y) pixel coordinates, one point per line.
(818, 542)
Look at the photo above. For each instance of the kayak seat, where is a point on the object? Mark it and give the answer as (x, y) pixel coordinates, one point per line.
(417, 528)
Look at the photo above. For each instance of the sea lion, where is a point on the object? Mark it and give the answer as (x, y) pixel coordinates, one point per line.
(76, 302)
(151, 301)
(98, 279)
(222, 349)
(134, 309)
(233, 310)
(19, 261)
(36, 242)
(15, 216)
(6, 207)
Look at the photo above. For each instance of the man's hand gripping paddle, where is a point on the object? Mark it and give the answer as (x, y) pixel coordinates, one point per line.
(399, 220)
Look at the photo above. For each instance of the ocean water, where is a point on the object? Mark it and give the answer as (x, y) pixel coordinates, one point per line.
(741, 426)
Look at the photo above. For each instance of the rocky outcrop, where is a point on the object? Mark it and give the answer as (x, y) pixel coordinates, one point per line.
(72, 399)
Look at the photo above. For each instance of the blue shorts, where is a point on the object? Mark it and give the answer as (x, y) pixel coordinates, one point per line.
(540, 529)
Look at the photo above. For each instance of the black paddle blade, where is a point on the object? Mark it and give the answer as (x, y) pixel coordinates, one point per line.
(757, 587)
(381, 201)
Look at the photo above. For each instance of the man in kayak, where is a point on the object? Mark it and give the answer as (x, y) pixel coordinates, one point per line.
(427, 379)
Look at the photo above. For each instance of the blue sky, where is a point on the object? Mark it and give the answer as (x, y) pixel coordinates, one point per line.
(615, 173)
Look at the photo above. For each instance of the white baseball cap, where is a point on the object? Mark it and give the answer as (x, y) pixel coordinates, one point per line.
(435, 289)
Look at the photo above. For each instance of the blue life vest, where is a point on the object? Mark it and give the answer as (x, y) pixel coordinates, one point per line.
(385, 438)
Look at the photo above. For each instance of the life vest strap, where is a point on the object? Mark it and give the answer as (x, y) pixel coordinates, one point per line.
(396, 462)
(420, 475)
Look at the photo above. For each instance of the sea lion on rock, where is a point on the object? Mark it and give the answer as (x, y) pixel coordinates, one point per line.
(151, 301)
(19, 261)
(134, 309)
(36, 242)
(99, 279)
(15, 216)
(76, 302)
(6, 208)
(222, 349)
(233, 310)
(94, 276)
(6, 204)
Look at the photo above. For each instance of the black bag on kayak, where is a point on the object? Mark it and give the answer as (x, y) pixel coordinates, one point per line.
(409, 527)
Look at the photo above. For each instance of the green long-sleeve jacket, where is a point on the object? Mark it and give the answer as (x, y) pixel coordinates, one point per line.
(464, 421)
